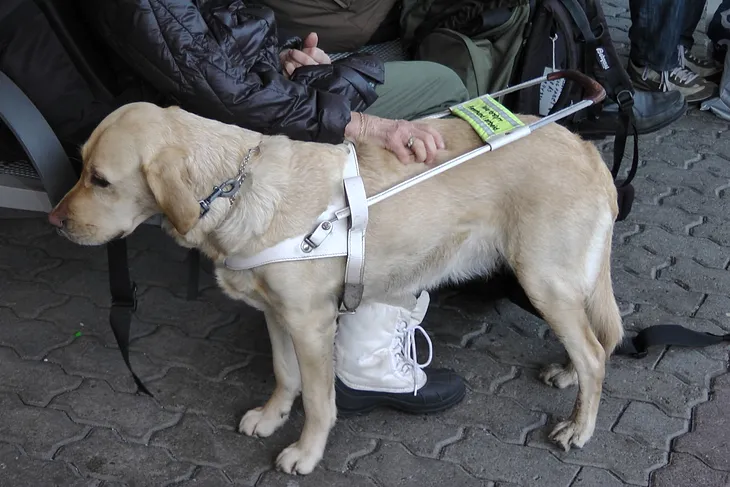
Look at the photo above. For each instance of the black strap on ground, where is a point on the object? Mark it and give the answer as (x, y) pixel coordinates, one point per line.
(673, 335)
(124, 302)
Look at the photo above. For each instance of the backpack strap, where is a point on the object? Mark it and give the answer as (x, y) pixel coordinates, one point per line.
(672, 335)
(124, 301)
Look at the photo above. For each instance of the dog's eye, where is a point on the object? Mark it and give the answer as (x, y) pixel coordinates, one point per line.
(96, 180)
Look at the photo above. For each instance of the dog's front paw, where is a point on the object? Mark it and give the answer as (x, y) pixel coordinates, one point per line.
(297, 460)
(560, 376)
(259, 422)
(571, 433)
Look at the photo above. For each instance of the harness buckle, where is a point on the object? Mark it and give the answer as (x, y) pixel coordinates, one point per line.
(118, 302)
(315, 239)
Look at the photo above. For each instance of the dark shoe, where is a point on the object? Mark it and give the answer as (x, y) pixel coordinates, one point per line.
(443, 389)
(652, 111)
(691, 85)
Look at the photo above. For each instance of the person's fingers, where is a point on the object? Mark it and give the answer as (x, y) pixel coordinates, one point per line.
(318, 55)
(396, 143)
(289, 67)
(300, 57)
(311, 41)
(429, 145)
(437, 137)
(419, 150)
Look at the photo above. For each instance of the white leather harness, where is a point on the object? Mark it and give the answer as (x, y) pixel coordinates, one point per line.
(332, 236)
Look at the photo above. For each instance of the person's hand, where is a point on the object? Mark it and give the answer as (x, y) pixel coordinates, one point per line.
(409, 141)
(309, 55)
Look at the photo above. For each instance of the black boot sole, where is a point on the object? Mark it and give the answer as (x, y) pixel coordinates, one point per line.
(351, 402)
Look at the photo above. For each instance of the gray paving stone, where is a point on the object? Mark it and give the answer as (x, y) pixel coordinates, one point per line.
(153, 269)
(709, 439)
(25, 263)
(629, 460)
(533, 394)
(714, 229)
(452, 326)
(648, 425)
(425, 436)
(698, 204)
(318, 478)
(486, 457)
(509, 347)
(153, 238)
(103, 455)
(248, 334)
(169, 346)
(667, 295)
(135, 416)
(86, 357)
(481, 372)
(36, 382)
(219, 448)
(717, 309)
(256, 376)
(194, 318)
(685, 469)
(343, 446)
(222, 403)
(596, 477)
(28, 299)
(698, 278)
(640, 261)
(204, 477)
(80, 315)
(691, 366)
(90, 257)
(667, 392)
(392, 464)
(26, 230)
(75, 278)
(501, 416)
(525, 323)
(670, 218)
(723, 382)
(39, 431)
(32, 339)
(665, 244)
(19, 470)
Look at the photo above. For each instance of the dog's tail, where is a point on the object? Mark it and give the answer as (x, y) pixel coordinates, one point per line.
(602, 309)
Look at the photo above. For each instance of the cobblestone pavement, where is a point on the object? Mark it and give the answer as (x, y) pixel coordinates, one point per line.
(68, 415)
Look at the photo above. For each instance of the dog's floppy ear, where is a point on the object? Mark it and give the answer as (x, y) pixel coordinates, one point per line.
(169, 179)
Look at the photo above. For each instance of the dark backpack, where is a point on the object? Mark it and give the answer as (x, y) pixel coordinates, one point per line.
(573, 34)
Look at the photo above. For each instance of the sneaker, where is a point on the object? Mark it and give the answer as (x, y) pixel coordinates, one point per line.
(701, 67)
(692, 86)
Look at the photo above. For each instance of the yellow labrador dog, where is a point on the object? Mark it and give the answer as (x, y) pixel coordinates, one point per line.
(544, 206)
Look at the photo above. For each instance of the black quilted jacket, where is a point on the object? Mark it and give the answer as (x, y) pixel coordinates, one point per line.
(220, 59)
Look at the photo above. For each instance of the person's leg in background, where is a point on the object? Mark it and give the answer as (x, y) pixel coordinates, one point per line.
(654, 62)
(375, 364)
(719, 31)
(701, 66)
(414, 89)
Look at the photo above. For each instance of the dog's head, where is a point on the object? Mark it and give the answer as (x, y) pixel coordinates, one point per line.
(132, 170)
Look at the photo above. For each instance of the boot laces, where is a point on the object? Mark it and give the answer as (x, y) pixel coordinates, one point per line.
(405, 352)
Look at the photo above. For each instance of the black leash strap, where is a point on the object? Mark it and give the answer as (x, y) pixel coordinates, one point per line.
(124, 301)
(675, 335)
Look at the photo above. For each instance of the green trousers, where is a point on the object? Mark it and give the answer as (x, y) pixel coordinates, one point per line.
(414, 89)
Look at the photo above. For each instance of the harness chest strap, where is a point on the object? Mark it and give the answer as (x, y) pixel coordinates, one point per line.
(332, 237)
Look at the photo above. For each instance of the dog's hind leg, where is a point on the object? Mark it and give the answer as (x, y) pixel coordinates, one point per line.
(263, 421)
(313, 334)
(563, 307)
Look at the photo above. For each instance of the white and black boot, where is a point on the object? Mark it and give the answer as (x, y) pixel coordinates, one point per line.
(376, 363)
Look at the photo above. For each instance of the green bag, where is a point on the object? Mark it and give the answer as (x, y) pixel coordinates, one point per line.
(484, 60)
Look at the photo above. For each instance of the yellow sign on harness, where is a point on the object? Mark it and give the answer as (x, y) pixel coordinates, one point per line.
(487, 116)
